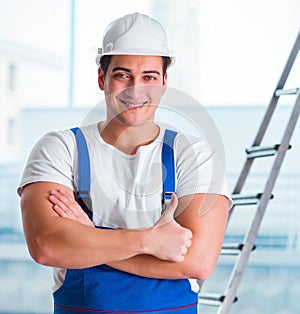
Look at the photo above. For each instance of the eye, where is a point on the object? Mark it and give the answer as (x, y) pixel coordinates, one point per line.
(121, 75)
(150, 78)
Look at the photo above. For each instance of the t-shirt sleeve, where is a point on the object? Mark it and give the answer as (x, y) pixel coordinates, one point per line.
(51, 160)
(199, 169)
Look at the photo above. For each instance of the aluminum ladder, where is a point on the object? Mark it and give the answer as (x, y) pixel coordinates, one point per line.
(243, 250)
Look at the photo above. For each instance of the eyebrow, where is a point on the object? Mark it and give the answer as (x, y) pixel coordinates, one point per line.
(129, 71)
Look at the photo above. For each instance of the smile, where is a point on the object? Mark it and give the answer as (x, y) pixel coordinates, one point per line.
(133, 105)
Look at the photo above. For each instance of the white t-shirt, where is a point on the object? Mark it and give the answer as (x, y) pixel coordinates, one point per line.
(126, 190)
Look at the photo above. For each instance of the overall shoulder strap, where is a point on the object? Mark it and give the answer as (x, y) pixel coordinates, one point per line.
(84, 173)
(168, 167)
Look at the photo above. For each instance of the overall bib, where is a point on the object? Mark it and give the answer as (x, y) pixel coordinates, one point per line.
(103, 289)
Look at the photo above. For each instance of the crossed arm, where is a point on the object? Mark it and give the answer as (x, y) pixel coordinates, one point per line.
(204, 214)
(67, 242)
(208, 233)
(65, 238)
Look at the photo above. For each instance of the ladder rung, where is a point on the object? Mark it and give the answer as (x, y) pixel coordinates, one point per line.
(233, 248)
(262, 151)
(281, 92)
(212, 299)
(240, 199)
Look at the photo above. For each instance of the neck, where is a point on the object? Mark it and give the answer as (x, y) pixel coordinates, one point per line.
(128, 138)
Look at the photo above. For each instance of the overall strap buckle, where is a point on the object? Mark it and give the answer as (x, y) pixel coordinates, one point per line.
(83, 198)
(168, 168)
(166, 200)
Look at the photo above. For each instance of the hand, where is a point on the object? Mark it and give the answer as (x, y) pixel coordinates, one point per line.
(170, 241)
(66, 206)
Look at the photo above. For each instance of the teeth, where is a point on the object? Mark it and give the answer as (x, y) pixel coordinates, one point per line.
(133, 105)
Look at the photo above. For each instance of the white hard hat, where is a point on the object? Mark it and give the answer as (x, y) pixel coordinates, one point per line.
(135, 34)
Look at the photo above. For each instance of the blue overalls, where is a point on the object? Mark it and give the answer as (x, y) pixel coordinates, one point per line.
(103, 289)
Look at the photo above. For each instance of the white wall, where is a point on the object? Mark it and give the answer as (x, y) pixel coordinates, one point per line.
(245, 45)
(230, 52)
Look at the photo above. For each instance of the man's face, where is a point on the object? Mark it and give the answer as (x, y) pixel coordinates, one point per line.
(133, 87)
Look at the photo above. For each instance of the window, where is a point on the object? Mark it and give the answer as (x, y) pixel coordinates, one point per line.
(12, 72)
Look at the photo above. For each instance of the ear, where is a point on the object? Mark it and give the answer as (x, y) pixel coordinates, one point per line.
(101, 78)
(165, 83)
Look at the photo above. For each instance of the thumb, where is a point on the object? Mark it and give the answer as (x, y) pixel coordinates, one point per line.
(168, 215)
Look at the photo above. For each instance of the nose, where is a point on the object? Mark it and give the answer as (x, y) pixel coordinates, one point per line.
(135, 91)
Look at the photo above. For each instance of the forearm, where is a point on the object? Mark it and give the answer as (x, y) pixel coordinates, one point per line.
(198, 263)
(151, 267)
(73, 245)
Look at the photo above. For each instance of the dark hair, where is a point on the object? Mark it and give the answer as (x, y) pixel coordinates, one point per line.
(166, 63)
(105, 61)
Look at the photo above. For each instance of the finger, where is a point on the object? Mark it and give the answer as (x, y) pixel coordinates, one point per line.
(66, 206)
(68, 201)
(168, 215)
(63, 197)
(179, 259)
(172, 206)
(189, 234)
(56, 201)
(60, 211)
(66, 212)
(67, 195)
(71, 203)
(184, 251)
(53, 199)
(174, 202)
(61, 208)
(189, 244)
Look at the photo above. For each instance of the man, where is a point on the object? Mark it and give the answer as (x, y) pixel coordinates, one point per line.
(137, 259)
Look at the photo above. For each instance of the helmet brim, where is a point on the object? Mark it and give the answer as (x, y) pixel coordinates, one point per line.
(137, 53)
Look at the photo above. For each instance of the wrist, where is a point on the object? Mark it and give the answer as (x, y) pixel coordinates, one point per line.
(138, 241)
(147, 241)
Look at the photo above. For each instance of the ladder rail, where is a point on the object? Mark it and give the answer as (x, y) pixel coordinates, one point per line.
(274, 100)
(226, 300)
(240, 265)
(268, 115)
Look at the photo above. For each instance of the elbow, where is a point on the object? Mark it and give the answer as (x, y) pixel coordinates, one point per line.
(204, 271)
(38, 256)
(39, 251)
(201, 269)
